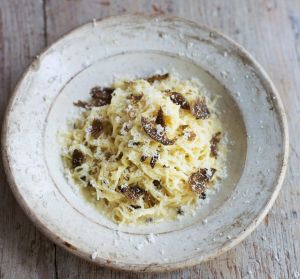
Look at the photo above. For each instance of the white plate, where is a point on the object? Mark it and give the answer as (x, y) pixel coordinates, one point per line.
(132, 46)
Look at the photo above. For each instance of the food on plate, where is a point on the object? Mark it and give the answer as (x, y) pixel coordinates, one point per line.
(146, 149)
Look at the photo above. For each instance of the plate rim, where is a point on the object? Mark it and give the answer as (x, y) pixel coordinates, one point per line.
(152, 267)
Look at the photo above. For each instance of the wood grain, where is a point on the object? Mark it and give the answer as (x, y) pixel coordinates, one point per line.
(269, 29)
(24, 252)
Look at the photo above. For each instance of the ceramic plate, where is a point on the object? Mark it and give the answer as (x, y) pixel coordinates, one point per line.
(138, 46)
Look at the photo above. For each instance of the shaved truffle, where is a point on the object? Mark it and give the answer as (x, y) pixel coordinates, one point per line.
(107, 155)
(178, 99)
(135, 98)
(157, 184)
(143, 158)
(101, 96)
(180, 211)
(214, 144)
(156, 130)
(81, 104)
(157, 77)
(96, 129)
(77, 158)
(199, 179)
(153, 160)
(200, 109)
(132, 192)
(153, 132)
(202, 196)
(119, 156)
(160, 118)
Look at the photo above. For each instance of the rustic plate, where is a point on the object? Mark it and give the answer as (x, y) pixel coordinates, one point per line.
(131, 46)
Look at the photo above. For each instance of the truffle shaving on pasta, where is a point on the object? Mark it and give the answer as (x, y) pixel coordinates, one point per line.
(146, 150)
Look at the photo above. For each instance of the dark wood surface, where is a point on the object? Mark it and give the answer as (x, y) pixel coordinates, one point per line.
(269, 29)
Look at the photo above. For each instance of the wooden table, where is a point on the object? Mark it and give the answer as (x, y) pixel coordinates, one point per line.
(270, 30)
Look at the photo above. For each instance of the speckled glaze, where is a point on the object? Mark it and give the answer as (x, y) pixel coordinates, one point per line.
(97, 53)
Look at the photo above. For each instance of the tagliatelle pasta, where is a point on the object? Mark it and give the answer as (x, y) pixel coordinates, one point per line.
(146, 148)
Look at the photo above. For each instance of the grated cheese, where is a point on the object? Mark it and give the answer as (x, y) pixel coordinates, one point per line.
(106, 175)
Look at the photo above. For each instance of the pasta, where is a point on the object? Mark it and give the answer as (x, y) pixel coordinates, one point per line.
(146, 149)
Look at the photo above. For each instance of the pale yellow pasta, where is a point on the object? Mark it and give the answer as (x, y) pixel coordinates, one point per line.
(120, 157)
